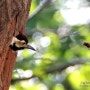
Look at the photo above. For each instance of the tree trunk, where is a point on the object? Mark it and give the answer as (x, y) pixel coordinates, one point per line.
(13, 17)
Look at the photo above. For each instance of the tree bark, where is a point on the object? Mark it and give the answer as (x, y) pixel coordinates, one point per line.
(13, 17)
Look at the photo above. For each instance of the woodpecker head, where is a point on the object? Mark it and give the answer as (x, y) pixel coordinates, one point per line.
(20, 42)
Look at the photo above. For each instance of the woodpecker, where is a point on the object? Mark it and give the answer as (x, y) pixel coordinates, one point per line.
(20, 42)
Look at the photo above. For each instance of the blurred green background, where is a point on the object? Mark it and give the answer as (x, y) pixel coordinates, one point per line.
(61, 62)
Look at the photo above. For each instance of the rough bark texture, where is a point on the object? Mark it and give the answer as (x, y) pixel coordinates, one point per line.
(13, 17)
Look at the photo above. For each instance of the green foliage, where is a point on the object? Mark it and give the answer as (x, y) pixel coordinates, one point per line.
(58, 43)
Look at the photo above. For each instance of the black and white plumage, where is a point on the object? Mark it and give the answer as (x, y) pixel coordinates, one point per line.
(20, 42)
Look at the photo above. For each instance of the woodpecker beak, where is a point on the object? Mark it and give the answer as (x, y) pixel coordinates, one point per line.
(30, 47)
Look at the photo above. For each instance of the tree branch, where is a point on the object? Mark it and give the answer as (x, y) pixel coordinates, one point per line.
(62, 67)
(41, 6)
(13, 81)
(53, 69)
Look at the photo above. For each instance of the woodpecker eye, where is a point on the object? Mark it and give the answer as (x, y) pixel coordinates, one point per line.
(23, 43)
